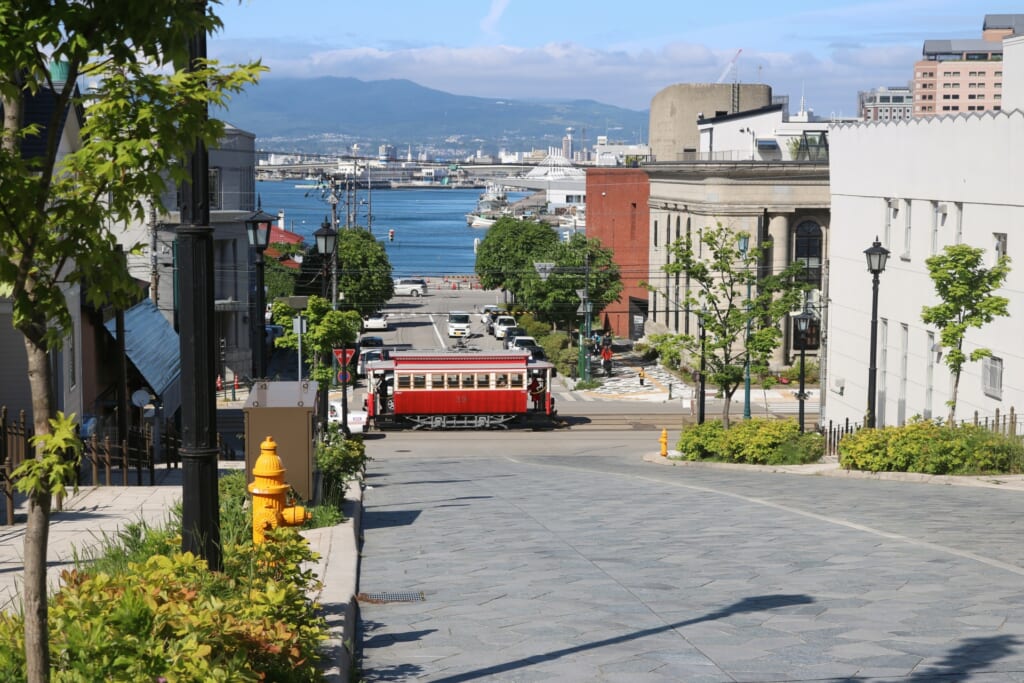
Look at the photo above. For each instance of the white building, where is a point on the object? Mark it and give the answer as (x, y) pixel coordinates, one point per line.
(945, 180)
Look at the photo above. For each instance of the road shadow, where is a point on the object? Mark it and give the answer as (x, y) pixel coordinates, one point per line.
(381, 519)
(752, 604)
(973, 654)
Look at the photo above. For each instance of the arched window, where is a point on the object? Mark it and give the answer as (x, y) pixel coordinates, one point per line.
(808, 251)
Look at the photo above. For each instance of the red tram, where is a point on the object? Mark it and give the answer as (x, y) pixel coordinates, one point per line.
(462, 390)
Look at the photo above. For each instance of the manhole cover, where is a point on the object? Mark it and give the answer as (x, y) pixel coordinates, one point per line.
(383, 597)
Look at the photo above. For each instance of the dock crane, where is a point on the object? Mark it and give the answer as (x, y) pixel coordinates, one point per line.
(730, 66)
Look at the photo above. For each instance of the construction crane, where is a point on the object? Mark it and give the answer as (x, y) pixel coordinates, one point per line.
(730, 66)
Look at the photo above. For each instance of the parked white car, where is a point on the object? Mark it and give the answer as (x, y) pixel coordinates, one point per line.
(357, 419)
(458, 324)
(410, 287)
(502, 324)
(376, 321)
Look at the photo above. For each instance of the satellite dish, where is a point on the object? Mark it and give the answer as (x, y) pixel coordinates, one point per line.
(140, 398)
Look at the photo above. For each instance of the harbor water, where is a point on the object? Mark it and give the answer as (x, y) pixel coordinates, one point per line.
(431, 237)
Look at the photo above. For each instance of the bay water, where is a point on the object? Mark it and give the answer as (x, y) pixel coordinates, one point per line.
(431, 237)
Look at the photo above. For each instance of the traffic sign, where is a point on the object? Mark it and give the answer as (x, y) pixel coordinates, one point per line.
(343, 376)
(544, 269)
(344, 356)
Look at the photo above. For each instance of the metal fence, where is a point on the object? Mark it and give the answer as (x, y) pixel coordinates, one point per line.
(1005, 423)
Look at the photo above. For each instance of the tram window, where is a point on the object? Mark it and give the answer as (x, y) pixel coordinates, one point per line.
(467, 381)
(437, 381)
(419, 381)
(517, 380)
(453, 381)
(501, 380)
(403, 381)
(483, 381)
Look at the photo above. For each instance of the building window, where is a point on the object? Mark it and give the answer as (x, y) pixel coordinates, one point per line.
(992, 377)
(215, 189)
(655, 233)
(929, 375)
(999, 247)
(906, 231)
(808, 252)
(937, 216)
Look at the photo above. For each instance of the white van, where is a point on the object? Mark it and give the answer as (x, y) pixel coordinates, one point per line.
(458, 324)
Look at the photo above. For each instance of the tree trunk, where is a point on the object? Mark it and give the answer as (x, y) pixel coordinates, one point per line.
(952, 399)
(37, 530)
(726, 406)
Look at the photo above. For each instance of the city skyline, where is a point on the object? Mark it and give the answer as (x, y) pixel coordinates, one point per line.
(527, 49)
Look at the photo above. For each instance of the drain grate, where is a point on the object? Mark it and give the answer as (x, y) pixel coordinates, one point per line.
(384, 597)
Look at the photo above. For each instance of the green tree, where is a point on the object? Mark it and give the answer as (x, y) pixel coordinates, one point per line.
(363, 270)
(279, 278)
(556, 300)
(326, 330)
(965, 289)
(144, 112)
(508, 251)
(719, 275)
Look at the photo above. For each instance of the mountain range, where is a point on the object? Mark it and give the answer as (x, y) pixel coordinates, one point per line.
(329, 114)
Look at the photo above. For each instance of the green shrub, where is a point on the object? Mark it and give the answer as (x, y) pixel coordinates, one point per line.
(171, 618)
(340, 461)
(924, 446)
(668, 349)
(758, 441)
(811, 372)
(534, 328)
(866, 449)
(699, 442)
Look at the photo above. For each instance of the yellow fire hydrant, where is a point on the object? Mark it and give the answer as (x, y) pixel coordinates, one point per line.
(664, 443)
(268, 491)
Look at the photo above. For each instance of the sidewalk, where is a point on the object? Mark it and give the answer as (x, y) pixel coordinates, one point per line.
(97, 513)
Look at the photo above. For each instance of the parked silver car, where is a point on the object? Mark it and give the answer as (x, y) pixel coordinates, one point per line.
(410, 287)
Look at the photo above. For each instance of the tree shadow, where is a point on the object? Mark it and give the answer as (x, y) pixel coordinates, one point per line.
(752, 604)
(973, 654)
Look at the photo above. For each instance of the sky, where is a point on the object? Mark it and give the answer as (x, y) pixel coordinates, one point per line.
(619, 53)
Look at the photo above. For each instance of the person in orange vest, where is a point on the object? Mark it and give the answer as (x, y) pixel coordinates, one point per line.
(606, 356)
(642, 375)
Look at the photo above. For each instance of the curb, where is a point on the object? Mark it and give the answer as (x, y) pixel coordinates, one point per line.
(338, 547)
(1006, 482)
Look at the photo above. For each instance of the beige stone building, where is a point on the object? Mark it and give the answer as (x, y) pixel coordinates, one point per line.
(676, 109)
(786, 203)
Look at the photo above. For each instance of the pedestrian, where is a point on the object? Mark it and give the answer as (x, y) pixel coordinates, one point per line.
(642, 375)
(606, 356)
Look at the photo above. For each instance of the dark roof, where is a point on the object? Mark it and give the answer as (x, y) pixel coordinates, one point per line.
(959, 46)
(743, 114)
(153, 348)
(1014, 22)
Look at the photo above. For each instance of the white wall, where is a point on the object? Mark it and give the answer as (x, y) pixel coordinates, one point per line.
(972, 165)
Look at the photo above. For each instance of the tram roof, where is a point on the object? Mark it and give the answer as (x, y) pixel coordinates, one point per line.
(459, 361)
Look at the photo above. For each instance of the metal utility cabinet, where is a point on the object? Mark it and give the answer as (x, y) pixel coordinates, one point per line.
(285, 411)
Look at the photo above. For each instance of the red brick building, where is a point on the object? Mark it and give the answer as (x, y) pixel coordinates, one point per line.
(618, 215)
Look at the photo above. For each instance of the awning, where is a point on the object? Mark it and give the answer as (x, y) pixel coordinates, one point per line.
(153, 348)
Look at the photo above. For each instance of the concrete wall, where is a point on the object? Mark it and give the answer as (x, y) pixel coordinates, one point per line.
(674, 111)
(944, 192)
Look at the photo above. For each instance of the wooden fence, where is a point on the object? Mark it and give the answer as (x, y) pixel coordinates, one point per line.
(1005, 423)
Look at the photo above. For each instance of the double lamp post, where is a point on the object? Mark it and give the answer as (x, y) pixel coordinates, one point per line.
(327, 246)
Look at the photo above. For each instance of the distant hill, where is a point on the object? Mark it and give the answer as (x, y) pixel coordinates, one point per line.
(329, 114)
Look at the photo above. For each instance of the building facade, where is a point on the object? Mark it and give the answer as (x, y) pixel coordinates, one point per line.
(957, 76)
(784, 206)
(886, 104)
(934, 190)
(617, 215)
(676, 110)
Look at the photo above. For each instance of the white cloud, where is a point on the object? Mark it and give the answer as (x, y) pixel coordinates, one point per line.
(489, 24)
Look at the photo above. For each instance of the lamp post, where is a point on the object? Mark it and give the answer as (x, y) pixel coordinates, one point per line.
(327, 246)
(258, 228)
(876, 256)
(744, 244)
(803, 323)
(703, 366)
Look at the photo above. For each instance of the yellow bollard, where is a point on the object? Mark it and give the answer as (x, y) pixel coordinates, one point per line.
(268, 491)
(664, 443)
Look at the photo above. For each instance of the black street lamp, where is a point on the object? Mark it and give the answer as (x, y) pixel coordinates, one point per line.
(258, 227)
(703, 366)
(876, 256)
(327, 246)
(803, 323)
(744, 243)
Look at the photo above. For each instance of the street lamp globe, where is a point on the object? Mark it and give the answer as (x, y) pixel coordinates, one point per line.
(325, 237)
(876, 256)
(258, 227)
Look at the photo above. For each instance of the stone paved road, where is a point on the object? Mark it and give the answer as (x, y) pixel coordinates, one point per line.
(591, 565)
